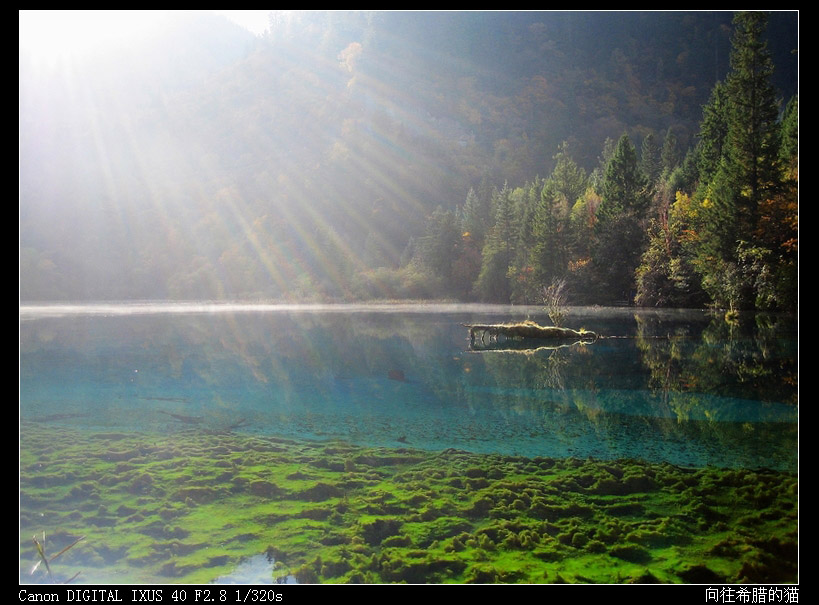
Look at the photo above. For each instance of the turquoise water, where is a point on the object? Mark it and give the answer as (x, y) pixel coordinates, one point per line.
(678, 386)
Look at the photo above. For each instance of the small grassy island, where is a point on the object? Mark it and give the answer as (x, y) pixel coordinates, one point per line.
(487, 335)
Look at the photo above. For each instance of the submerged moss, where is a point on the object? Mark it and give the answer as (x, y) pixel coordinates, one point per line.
(189, 507)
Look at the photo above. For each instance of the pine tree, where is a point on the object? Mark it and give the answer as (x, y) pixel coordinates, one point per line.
(596, 176)
(746, 173)
(498, 251)
(525, 287)
(474, 217)
(625, 188)
(789, 139)
(569, 178)
(670, 155)
(550, 247)
(552, 218)
(753, 111)
(650, 161)
(713, 132)
(436, 248)
(621, 229)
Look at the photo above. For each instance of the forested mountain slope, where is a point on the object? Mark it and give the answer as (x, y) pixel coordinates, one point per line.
(207, 163)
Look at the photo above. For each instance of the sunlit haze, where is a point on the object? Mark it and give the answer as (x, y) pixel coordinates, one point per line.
(76, 32)
(337, 156)
(256, 21)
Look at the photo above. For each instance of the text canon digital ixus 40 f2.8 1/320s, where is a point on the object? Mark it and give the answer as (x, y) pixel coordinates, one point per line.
(152, 595)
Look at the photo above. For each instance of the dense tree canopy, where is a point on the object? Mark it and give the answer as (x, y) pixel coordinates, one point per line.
(716, 225)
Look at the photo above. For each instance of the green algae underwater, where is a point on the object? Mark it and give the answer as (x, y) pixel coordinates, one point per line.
(189, 507)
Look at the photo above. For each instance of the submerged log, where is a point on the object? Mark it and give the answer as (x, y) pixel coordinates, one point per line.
(480, 333)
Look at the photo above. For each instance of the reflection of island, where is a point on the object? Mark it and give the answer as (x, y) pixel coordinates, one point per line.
(524, 335)
(521, 346)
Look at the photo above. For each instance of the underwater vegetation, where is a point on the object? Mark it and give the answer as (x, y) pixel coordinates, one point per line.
(190, 506)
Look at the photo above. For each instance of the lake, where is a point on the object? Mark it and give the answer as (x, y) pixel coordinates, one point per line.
(145, 419)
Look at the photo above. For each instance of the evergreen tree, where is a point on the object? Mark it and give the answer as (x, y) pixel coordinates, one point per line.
(569, 179)
(713, 132)
(596, 177)
(789, 139)
(505, 228)
(625, 188)
(552, 218)
(686, 175)
(747, 174)
(498, 251)
(550, 245)
(530, 200)
(670, 155)
(621, 229)
(753, 112)
(474, 217)
(650, 161)
(776, 242)
(435, 250)
(524, 284)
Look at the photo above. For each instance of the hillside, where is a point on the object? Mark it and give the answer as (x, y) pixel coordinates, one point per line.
(206, 163)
